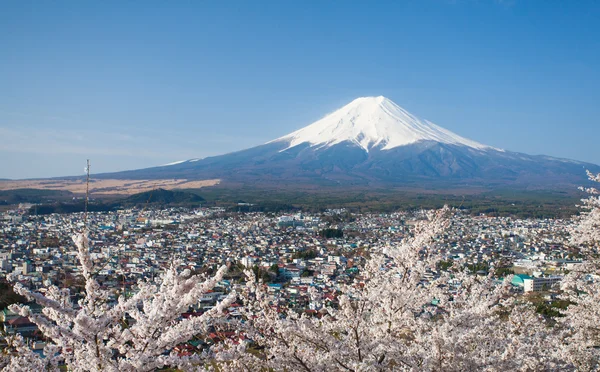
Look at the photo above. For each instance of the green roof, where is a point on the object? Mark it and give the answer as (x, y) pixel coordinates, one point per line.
(517, 279)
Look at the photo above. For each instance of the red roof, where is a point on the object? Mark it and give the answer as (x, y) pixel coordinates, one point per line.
(20, 321)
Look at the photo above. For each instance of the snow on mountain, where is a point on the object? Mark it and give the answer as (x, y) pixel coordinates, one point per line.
(174, 163)
(374, 122)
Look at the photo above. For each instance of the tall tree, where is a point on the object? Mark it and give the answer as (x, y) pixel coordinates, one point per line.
(581, 324)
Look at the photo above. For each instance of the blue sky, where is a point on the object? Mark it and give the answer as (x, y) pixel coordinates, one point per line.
(142, 83)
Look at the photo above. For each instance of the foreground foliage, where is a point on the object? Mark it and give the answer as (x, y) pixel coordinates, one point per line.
(131, 334)
(394, 320)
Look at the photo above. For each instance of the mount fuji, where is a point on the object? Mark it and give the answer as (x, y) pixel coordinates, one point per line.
(374, 142)
(373, 122)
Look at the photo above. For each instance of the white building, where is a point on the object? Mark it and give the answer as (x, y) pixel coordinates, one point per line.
(248, 261)
(540, 284)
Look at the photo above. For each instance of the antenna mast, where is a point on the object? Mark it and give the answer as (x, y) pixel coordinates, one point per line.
(87, 194)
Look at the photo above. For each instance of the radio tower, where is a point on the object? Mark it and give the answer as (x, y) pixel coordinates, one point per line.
(87, 194)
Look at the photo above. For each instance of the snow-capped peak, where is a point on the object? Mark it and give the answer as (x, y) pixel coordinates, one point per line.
(374, 122)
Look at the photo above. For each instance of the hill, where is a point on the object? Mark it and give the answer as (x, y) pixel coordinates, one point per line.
(163, 197)
(33, 196)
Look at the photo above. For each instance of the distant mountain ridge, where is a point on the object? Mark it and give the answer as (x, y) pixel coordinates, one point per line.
(373, 142)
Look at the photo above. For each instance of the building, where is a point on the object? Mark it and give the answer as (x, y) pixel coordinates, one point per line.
(27, 267)
(518, 280)
(248, 261)
(540, 284)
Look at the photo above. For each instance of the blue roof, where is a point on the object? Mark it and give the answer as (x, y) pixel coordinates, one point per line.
(518, 279)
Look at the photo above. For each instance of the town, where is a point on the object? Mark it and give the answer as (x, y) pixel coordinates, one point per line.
(290, 253)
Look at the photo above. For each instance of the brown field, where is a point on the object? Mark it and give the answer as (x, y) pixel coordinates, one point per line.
(107, 187)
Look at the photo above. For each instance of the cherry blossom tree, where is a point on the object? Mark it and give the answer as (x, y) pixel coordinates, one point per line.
(581, 325)
(587, 227)
(136, 333)
(18, 356)
(395, 319)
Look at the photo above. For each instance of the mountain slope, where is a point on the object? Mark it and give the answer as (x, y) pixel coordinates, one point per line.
(372, 122)
(374, 142)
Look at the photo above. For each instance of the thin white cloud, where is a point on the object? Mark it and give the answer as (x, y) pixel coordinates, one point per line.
(48, 141)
